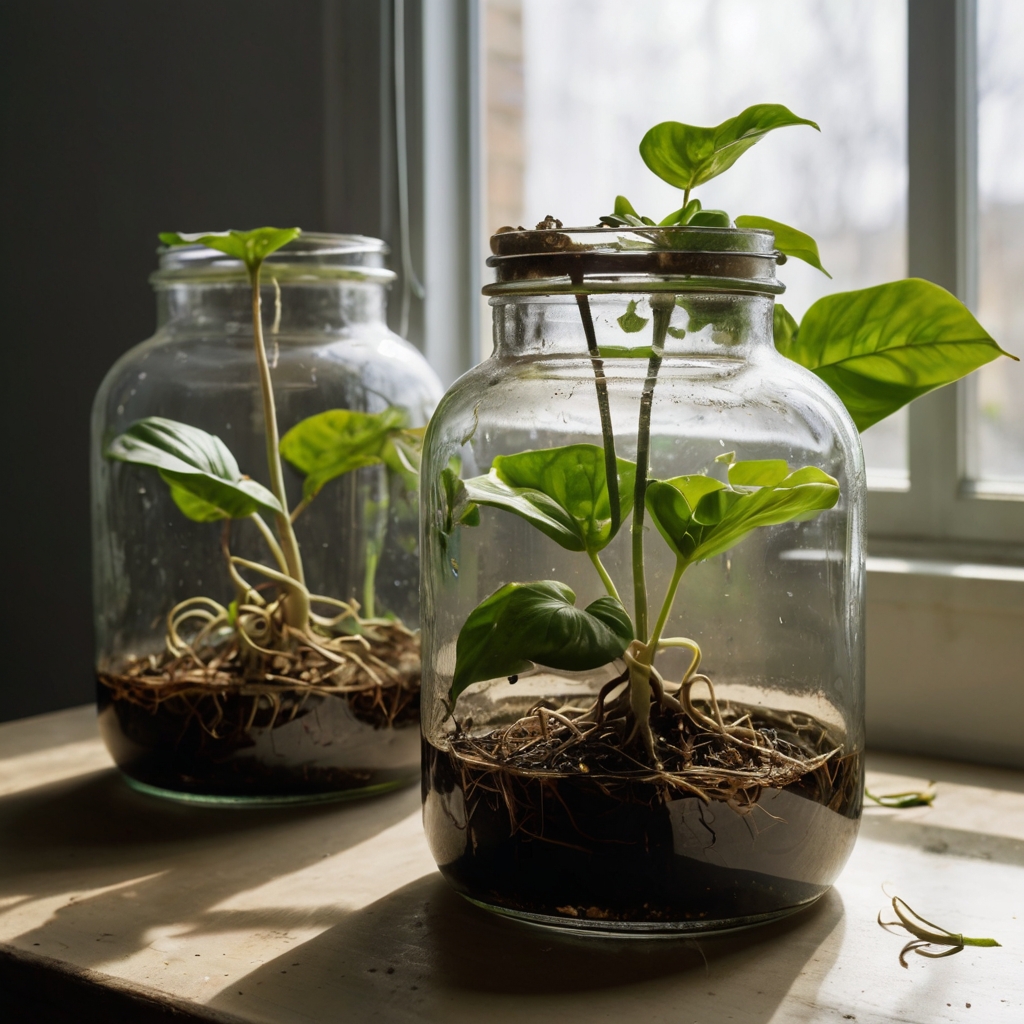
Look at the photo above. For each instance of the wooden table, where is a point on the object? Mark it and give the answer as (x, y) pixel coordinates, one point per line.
(114, 906)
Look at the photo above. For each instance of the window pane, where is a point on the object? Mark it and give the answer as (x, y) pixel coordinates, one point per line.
(997, 433)
(596, 74)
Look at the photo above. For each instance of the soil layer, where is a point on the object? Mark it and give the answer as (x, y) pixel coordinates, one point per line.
(585, 844)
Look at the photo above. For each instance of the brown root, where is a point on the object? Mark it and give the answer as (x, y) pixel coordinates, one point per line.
(255, 656)
(708, 749)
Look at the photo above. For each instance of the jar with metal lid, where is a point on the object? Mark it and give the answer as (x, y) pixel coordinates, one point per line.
(205, 693)
(643, 570)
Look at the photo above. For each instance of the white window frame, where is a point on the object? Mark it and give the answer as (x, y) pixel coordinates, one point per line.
(944, 513)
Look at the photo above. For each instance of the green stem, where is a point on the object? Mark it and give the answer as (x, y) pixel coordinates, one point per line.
(666, 606)
(377, 512)
(611, 469)
(661, 306)
(268, 536)
(289, 545)
(686, 197)
(609, 584)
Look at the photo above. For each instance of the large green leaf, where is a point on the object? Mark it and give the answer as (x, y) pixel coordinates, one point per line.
(784, 327)
(205, 481)
(338, 441)
(563, 492)
(686, 156)
(537, 623)
(788, 240)
(700, 517)
(251, 247)
(880, 348)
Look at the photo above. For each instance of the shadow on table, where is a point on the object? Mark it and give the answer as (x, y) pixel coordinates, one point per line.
(423, 953)
(165, 863)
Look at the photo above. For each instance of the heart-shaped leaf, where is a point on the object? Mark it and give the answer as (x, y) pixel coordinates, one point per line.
(710, 219)
(563, 492)
(251, 247)
(686, 156)
(338, 441)
(700, 517)
(523, 624)
(205, 481)
(880, 348)
(788, 240)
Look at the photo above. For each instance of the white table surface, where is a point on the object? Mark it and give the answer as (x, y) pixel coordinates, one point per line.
(337, 913)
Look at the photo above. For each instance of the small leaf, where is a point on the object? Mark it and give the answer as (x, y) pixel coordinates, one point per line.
(916, 798)
(700, 517)
(677, 332)
(880, 348)
(788, 240)
(563, 492)
(526, 623)
(624, 208)
(339, 441)
(630, 321)
(784, 327)
(683, 215)
(625, 351)
(686, 156)
(251, 247)
(206, 483)
(710, 219)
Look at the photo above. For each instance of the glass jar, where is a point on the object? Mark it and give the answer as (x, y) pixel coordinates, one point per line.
(576, 777)
(186, 708)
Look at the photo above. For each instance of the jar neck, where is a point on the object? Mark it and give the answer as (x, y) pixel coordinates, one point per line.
(334, 307)
(701, 324)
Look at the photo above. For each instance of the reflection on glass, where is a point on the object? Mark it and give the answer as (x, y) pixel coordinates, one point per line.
(572, 86)
(996, 435)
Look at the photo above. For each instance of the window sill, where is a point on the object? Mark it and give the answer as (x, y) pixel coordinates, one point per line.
(945, 658)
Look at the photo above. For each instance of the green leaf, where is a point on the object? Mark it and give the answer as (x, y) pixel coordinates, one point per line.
(880, 348)
(627, 351)
(686, 156)
(624, 208)
(630, 321)
(784, 327)
(683, 215)
(710, 219)
(788, 240)
(338, 441)
(251, 247)
(700, 517)
(537, 623)
(456, 508)
(205, 481)
(563, 492)
(402, 452)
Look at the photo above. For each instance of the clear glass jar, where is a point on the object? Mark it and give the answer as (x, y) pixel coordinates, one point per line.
(542, 797)
(210, 725)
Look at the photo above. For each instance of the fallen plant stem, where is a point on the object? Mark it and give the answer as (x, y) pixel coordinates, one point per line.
(911, 798)
(927, 933)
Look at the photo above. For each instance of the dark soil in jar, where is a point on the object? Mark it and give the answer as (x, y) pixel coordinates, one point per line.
(218, 728)
(600, 837)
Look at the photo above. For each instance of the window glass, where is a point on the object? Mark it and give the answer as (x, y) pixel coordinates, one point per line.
(572, 86)
(996, 428)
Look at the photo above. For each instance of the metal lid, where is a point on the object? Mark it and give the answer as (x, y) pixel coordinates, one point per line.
(552, 259)
(313, 257)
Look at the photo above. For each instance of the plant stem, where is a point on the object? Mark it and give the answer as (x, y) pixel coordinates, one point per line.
(666, 606)
(661, 307)
(609, 584)
(289, 545)
(611, 469)
(686, 197)
(268, 536)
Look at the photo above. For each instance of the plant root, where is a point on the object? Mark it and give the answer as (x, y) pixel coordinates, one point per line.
(216, 655)
(712, 750)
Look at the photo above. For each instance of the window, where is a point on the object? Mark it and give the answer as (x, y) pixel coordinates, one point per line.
(570, 87)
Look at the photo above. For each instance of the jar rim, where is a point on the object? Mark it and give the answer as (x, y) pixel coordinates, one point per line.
(312, 256)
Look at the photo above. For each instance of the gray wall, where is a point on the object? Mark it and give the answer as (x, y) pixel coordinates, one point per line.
(123, 119)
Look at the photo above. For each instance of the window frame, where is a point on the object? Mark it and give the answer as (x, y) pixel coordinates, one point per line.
(943, 505)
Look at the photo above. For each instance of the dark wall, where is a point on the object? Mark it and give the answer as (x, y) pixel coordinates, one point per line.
(121, 119)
